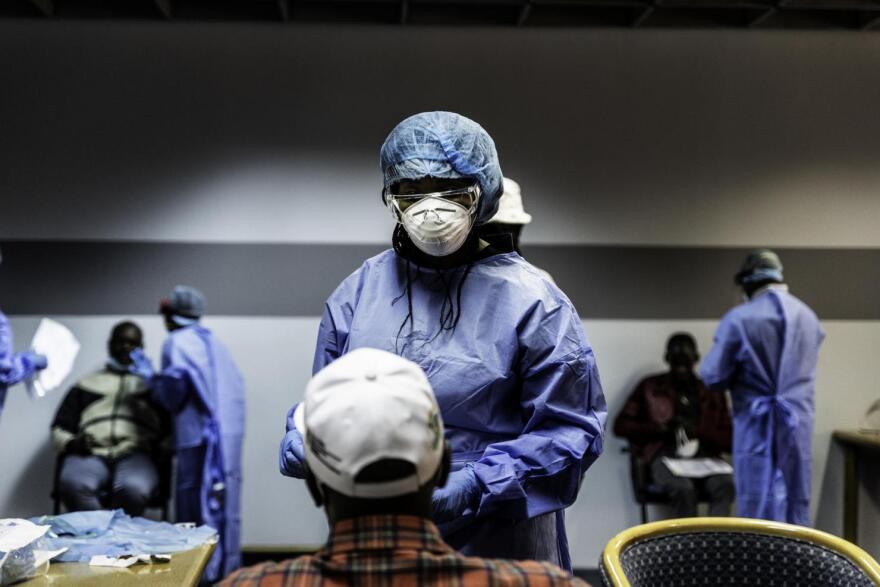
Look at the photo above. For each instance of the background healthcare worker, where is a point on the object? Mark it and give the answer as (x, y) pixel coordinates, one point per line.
(14, 367)
(765, 352)
(201, 387)
(503, 348)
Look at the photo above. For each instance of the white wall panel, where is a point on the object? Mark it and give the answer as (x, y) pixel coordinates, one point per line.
(275, 356)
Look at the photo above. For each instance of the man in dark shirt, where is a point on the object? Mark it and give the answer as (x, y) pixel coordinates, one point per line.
(374, 452)
(673, 415)
(109, 430)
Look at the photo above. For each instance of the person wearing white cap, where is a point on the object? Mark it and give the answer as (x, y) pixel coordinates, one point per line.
(510, 219)
(374, 451)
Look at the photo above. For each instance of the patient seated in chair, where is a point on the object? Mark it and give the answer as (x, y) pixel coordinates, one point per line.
(109, 434)
(674, 415)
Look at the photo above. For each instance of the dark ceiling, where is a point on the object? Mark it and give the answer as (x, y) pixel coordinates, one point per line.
(757, 14)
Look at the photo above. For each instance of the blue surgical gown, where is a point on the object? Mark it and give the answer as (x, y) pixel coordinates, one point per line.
(13, 366)
(765, 352)
(516, 382)
(201, 386)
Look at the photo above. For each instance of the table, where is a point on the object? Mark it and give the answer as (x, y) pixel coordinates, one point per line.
(185, 569)
(853, 443)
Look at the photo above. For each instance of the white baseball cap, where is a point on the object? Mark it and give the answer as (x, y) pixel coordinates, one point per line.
(510, 206)
(367, 406)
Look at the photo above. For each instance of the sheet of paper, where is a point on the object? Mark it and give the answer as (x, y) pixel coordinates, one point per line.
(697, 468)
(16, 533)
(99, 560)
(60, 346)
(41, 556)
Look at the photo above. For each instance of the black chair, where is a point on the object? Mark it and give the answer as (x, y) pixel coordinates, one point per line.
(645, 491)
(160, 499)
(733, 551)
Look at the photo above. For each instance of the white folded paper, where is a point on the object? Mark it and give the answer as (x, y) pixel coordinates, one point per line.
(99, 560)
(697, 468)
(60, 346)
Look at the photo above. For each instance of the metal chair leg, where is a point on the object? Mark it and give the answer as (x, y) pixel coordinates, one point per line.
(644, 513)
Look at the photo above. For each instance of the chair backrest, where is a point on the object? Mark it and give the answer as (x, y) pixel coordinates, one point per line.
(734, 551)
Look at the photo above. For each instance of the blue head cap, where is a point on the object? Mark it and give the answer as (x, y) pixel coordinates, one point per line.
(444, 145)
(185, 306)
(760, 265)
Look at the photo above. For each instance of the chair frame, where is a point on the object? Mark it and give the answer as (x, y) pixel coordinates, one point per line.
(640, 477)
(616, 546)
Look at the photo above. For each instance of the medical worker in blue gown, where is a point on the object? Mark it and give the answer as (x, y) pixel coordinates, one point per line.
(765, 352)
(503, 347)
(202, 388)
(14, 367)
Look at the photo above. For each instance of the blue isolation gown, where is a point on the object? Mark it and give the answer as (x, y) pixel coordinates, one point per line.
(202, 388)
(14, 367)
(516, 382)
(765, 352)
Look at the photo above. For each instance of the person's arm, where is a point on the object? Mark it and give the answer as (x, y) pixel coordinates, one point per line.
(716, 429)
(65, 426)
(170, 388)
(15, 367)
(564, 410)
(332, 337)
(291, 456)
(336, 320)
(720, 365)
(633, 422)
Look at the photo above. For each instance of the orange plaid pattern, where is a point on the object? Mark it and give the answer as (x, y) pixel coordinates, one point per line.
(392, 551)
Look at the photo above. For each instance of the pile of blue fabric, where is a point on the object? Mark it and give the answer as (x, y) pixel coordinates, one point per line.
(113, 533)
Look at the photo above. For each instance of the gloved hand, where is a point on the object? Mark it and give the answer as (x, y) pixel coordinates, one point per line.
(81, 444)
(461, 492)
(36, 360)
(140, 364)
(292, 456)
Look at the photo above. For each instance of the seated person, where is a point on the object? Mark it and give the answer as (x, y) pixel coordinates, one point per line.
(110, 432)
(673, 414)
(374, 452)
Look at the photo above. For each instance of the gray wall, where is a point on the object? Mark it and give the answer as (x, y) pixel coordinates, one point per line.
(171, 133)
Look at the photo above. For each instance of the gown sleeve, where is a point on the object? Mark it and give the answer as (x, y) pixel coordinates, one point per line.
(564, 411)
(170, 387)
(14, 367)
(336, 320)
(719, 366)
(332, 338)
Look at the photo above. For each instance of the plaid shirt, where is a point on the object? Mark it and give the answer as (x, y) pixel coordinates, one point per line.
(391, 551)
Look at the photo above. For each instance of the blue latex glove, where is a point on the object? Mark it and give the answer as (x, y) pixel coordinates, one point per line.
(140, 364)
(292, 455)
(459, 496)
(37, 361)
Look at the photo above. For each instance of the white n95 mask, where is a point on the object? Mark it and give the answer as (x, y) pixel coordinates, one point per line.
(437, 226)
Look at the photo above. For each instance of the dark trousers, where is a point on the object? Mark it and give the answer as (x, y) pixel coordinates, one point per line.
(683, 491)
(86, 479)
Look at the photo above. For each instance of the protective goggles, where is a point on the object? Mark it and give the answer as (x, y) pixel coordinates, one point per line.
(467, 198)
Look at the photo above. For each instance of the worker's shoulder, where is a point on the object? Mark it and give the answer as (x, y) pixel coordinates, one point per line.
(377, 262)
(515, 272)
(524, 573)
(798, 303)
(289, 572)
